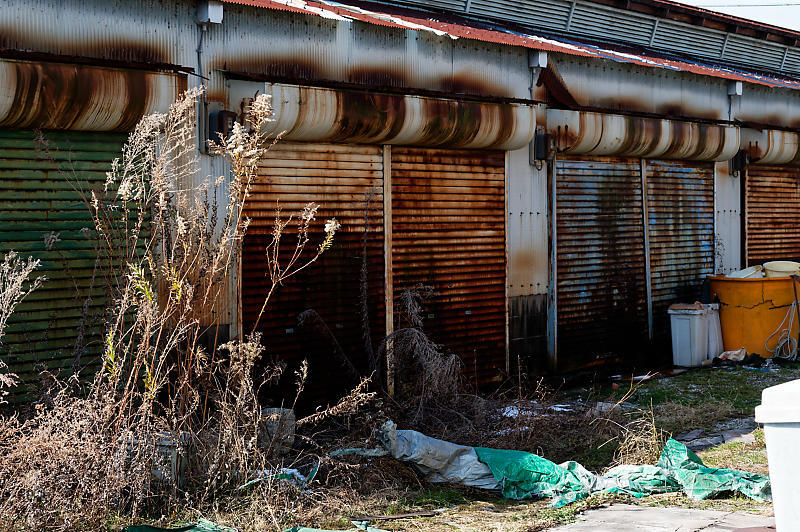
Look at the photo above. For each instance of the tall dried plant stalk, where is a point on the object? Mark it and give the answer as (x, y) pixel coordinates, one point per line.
(14, 286)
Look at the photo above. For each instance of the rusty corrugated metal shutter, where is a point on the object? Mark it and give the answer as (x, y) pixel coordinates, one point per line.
(43, 177)
(347, 183)
(772, 207)
(601, 283)
(448, 232)
(680, 212)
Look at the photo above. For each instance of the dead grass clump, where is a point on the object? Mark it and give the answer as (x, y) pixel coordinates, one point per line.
(640, 441)
(422, 372)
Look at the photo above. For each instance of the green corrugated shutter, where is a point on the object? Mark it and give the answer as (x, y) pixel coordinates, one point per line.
(43, 179)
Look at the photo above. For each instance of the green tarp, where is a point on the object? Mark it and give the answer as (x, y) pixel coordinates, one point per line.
(522, 475)
(203, 525)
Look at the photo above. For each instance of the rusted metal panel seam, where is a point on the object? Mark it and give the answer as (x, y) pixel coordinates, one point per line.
(387, 263)
(552, 289)
(647, 272)
(505, 241)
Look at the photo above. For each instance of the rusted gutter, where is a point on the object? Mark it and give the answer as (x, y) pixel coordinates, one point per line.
(771, 146)
(584, 133)
(81, 97)
(326, 115)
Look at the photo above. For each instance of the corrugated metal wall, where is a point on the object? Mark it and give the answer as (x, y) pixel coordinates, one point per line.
(772, 207)
(602, 304)
(448, 232)
(43, 180)
(680, 211)
(347, 182)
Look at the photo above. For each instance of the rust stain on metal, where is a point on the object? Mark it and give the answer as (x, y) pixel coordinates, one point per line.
(448, 232)
(119, 51)
(585, 133)
(364, 116)
(372, 76)
(314, 114)
(680, 198)
(772, 217)
(301, 69)
(64, 96)
(272, 67)
(347, 183)
(600, 261)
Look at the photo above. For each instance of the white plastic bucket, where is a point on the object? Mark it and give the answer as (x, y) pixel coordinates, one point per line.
(689, 335)
(781, 268)
(779, 412)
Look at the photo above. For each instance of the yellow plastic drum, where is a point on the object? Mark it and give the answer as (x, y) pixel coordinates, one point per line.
(752, 309)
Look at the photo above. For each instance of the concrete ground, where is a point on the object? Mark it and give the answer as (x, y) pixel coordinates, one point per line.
(629, 518)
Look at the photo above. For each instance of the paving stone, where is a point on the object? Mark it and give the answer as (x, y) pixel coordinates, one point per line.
(688, 436)
(630, 518)
(704, 443)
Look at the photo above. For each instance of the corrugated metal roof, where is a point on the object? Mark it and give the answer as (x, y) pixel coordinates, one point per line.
(501, 35)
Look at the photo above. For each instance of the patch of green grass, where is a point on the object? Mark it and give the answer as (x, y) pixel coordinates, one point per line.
(430, 498)
(750, 457)
(738, 386)
(439, 497)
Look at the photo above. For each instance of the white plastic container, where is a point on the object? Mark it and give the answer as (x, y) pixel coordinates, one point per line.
(781, 268)
(689, 335)
(779, 412)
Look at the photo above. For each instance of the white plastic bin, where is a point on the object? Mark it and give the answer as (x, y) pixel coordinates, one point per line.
(689, 335)
(779, 412)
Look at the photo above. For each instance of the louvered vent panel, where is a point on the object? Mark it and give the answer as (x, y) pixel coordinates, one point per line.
(752, 52)
(590, 20)
(548, 15)
(792, 63)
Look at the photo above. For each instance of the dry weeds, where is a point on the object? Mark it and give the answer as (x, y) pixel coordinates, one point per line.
(165, 426)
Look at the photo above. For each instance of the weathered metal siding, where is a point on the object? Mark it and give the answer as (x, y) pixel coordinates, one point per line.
(448, 232)
(772, 207)
(527, 259)
(346, 181)
(45, 180)
(680, 214)
(602, 305)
